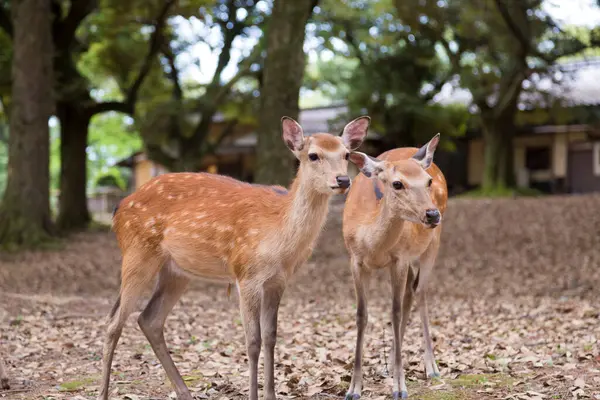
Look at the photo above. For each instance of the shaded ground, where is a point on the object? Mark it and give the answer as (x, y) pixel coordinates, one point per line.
(514, 306)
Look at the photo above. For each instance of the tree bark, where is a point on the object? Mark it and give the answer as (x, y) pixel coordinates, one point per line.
(73, 210)
(498, 172)
(283, 72)
(25, 211)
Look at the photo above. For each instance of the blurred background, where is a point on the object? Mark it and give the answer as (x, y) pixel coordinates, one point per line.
(140, 88)
(99, 96)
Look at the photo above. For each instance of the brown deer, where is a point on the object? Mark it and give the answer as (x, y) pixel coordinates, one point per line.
(3, 376)
(180, 226)
(394, 221)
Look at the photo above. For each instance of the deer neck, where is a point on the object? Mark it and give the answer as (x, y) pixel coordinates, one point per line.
(305, 213)
(386, 228)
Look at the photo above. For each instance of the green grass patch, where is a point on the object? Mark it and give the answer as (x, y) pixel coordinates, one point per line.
(442, 395)
(76, 385)
(501, 193)
(470, 381)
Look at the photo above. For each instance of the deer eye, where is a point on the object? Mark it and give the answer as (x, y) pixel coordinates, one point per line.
(313, 157)
(397, 185)
(429, 182)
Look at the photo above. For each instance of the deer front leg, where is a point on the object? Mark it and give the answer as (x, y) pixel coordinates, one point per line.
(250, 304)
(426, 264)
(399, 272)
(361, 281)
(272, 293)
(3, 376)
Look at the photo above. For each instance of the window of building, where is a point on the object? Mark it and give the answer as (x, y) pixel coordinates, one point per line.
(538, 158)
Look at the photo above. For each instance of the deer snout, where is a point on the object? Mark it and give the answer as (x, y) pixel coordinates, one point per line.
(343, 181)
(432, 217)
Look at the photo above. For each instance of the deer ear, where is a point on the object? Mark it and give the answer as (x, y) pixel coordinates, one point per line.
(293, 135)
(354, 133)
(425, 154)
(368, 165)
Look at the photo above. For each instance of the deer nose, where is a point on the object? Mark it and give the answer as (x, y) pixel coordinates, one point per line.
(432, 216)
(343, 181)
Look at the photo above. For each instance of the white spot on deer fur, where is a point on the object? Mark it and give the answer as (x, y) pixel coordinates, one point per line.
(144, 209)
(200, 215)
(149, 223)
(131, 203)
(153, 231)
(252, 232)
(169, 197)
(127, 224)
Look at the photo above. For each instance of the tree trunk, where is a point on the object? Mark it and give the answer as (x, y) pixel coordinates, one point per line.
(498, 172)
(25, 211)
(73, 210)
(283, 72)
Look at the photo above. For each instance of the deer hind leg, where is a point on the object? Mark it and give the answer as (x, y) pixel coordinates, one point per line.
(272, 293)
(171, 285)
(399, 275)
(137, 273)
(426, 265)
(3, 376)
(361, 283)
(250, 307)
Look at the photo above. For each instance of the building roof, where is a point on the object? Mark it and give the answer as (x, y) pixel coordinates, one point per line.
(571, 84)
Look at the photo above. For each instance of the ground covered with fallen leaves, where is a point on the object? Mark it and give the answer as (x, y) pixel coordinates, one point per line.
(514, 307)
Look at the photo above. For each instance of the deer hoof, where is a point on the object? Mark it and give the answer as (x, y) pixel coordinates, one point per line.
(434, 375)
(351, 396)
(401, 395)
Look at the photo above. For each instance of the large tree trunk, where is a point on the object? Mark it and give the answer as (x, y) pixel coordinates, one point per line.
(25, 211)
(283, 72)
(73, 210)
(498, 172)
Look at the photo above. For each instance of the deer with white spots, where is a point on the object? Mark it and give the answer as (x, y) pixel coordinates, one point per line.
(393, 221)
(181, 226)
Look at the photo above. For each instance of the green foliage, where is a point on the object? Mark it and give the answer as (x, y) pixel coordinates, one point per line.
(393, 73)
(112, 138)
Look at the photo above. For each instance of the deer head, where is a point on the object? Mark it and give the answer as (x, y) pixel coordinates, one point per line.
(324, 157)
(406, 183)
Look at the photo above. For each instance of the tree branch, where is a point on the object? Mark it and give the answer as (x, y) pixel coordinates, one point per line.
(5, 22)
(512, 26)
(155, 44)
(79, 10)
(128, 106)
(228, 131)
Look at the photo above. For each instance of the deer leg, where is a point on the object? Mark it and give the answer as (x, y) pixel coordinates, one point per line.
(250, 304)
(399, 272)
(137, 274)
(3, 376)
(171, 286)
(361, 281)
(427, 261)
(431, 368)
(272, 292)
(406, 308)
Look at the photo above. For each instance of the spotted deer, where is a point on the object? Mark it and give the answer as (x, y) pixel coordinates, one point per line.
(393, 220)
(3, 377)
(180, 226)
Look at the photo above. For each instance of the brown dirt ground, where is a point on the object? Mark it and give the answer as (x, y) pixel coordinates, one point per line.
(514, 306)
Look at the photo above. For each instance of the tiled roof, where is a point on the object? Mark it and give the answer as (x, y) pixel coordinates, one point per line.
(575, 84)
